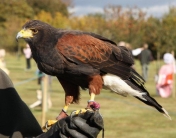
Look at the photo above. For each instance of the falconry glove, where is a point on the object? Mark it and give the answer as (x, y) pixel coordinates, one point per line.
(83, 125)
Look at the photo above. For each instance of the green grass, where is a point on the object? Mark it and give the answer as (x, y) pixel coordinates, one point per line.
(123, 117)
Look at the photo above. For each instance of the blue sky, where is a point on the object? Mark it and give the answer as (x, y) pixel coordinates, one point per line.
(152, 7)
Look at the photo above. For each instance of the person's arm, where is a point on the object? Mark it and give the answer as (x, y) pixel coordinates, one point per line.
(137, 51)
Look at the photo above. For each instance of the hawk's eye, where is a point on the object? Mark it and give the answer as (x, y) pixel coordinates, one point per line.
(34, 30)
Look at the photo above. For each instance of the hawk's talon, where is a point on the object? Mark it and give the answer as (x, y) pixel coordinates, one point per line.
(49, 123)
(72, 113)
(81, 111)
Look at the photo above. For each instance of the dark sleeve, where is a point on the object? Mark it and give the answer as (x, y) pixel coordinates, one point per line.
(15, 116)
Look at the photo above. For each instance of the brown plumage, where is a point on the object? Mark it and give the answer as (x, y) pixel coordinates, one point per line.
(83, 59)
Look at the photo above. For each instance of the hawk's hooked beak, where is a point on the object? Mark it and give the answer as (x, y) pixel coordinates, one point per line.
(24, 33)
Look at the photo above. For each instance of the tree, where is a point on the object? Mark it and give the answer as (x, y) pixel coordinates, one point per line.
(51, 6)
(168, 34)
(12, 16)
(125, 24)
(58, 21)
(14, 8)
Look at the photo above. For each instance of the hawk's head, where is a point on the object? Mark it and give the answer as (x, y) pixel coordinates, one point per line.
(35, 31)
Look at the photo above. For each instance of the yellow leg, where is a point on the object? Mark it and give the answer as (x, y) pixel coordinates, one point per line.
(92, 97)
(65, 108)
(68, 101)
(63, 113)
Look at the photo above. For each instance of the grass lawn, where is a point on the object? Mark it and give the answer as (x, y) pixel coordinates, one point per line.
(123, 117)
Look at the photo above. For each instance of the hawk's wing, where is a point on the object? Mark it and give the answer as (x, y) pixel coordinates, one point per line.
(97, 52)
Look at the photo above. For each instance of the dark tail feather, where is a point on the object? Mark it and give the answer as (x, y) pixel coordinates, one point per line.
(136, 77)
(152, 102)
(137, 83)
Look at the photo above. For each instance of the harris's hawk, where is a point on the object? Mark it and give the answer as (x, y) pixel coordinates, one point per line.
(86, 60)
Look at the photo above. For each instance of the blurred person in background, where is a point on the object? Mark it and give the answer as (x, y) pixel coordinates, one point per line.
(39, 91)
(164, 84)
(145, 57)
(2, 61)
(28, 54)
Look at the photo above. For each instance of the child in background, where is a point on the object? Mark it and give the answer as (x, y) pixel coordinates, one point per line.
(28, 54)
(165, 76)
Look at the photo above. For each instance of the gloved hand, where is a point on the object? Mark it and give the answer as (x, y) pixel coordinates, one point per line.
(84, 125)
